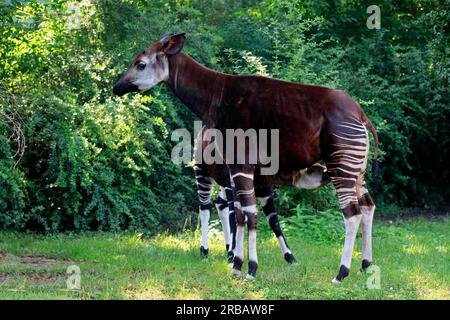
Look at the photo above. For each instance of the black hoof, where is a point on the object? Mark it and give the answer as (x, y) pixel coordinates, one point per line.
(343, 272)
(237, 263)
(365, 264)
(204, 252)
(252, 267)
(230, 256)
(289, 257)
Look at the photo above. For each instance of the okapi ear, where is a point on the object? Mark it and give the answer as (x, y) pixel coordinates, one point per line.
(173, 43)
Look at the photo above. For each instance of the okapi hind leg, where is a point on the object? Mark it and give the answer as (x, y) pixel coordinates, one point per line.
(204, 186)
(265, 197)
(367, 209)
(346, 163)
(351, 229)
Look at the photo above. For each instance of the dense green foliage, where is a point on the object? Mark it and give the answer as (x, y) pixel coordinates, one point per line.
(94, 161)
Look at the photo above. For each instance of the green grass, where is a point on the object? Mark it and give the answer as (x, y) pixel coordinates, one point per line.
(412, 255)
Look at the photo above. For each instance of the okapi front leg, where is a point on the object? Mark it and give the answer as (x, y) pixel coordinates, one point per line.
(238, 259)
(232, 219)
(245, 207)
(223, 210)
(265, 197)
(204, 186)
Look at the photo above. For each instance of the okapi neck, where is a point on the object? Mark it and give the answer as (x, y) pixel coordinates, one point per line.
(199, 88)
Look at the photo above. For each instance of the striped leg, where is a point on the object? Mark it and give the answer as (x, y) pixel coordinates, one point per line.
(245, 207)
(367, 209)
(223, 209)
(204, 186)
(232, 220)
(347, 161)
(265, 196)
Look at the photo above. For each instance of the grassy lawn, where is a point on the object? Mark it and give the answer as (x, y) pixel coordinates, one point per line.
(413, 257)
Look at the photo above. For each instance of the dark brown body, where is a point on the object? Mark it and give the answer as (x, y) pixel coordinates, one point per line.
(304, 114)
(220, 172)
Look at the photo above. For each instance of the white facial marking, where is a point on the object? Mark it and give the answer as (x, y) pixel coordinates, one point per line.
(156, 70)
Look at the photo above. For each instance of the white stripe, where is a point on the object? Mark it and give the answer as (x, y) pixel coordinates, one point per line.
(245, 192)
(347, 164)
(270, 215)
(245, 175)
(348, 153)
(343, 170)
(354, 126)
(350, 147)
(359, 140)
(283, 246)
(250, 209)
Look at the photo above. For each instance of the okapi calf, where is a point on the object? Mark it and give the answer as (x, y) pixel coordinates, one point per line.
(205, 174)
(315, 123)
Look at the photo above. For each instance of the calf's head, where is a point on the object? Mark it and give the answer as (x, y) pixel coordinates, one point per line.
(151, 66)
(310, 178)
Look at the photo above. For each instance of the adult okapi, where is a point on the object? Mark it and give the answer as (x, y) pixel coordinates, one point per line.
(315, 123)
(205, 175)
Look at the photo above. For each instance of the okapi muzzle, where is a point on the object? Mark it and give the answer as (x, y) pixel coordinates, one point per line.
(124, 86)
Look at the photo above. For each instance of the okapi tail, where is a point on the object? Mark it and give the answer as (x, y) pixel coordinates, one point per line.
(375, 163)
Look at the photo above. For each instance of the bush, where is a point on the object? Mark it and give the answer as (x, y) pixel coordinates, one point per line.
(93, 161)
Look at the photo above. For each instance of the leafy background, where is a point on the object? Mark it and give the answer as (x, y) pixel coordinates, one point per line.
(93, 161)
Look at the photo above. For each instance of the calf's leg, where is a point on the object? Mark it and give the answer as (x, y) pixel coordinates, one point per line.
(265, 196)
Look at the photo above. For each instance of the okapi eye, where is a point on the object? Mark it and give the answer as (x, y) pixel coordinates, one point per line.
(141, 66)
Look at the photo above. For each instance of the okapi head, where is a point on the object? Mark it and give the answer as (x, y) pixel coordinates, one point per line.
(151, 66)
